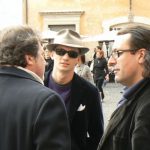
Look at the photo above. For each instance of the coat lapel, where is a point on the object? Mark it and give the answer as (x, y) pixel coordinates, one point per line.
(76, 97)
(115, 119)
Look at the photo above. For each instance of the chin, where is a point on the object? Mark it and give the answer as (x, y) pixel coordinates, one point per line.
(117, 79)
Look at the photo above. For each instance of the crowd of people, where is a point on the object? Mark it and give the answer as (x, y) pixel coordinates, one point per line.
(51, 99)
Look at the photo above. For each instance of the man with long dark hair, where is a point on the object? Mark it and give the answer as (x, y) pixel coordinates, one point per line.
(129, 125)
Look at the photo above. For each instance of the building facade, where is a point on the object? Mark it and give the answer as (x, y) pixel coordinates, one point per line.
(88, 17)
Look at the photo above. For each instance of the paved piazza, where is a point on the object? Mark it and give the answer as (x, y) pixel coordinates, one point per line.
(112, 93)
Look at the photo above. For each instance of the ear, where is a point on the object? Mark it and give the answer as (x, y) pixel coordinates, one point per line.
(141, 55)
(30, 60)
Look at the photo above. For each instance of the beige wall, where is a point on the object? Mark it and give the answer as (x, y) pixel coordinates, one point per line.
(97, 17)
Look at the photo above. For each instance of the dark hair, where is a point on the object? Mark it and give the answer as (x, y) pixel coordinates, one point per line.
(98, 47)
(15, 43)
(140, 38)
(82, 58)
(101, 53)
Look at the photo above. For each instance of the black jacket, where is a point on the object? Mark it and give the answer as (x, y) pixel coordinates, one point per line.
(100, 68)
(87, 124)
(49, 64)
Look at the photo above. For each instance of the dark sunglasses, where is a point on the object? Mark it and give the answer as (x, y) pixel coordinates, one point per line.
(62, 52)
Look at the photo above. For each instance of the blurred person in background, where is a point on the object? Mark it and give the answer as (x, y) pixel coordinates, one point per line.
(100, 70)
(92, 61)
(49, 61)
(83, 70)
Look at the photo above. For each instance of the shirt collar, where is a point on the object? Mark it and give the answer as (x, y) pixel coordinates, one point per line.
(129, 91)
(36, 77)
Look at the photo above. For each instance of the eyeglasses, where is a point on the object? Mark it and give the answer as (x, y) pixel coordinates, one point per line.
(62, 52)
(117, 53)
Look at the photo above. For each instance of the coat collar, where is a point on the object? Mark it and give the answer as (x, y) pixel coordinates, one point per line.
(33, 74)
(14, 71)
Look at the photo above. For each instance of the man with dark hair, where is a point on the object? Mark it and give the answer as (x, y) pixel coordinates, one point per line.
(81, 98)
(129, 125)
(32, 117)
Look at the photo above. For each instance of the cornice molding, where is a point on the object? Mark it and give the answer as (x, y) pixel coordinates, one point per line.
(123, 20)
(69, 12)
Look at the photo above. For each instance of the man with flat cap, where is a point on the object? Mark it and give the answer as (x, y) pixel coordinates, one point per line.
(81, 98)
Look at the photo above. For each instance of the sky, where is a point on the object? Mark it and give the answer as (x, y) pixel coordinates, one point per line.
(10, 12)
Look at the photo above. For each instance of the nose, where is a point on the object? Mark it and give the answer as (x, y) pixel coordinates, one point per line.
(111, 61)
(66, 56)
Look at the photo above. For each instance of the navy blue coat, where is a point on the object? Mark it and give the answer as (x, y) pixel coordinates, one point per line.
(87, 124)
(32, 117)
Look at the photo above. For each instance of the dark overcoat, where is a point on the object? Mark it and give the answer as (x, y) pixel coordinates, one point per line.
(129, 126)
(32, 117)
(100, 68)
(86, 124)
